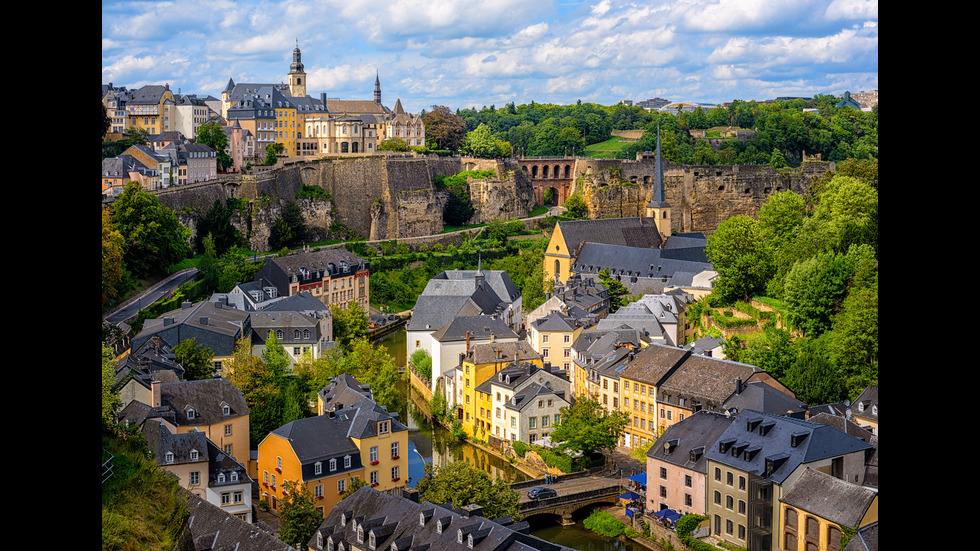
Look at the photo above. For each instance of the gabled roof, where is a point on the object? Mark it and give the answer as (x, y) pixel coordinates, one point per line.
(629, 232)
(773, 446)
(492, 352)
(207, 397)
(759, 396)
(479, 327)
(419, 527)
(830, 498)
(209, 523)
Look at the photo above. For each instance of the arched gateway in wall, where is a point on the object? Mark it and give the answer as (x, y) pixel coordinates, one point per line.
(556, 173)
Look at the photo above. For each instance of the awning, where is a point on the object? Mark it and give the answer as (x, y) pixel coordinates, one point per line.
(630, 496)
(668, 514)
(641, 478)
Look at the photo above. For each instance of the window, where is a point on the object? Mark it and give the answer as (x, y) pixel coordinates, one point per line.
(544, 421)
(239, 496)
(741, 507)
(688, 481)
(194, 455)
(663, 473)
(169, 457)
(221, 478)
(374, 454)
(318, 491)
(717, 497)
(318, 467)
(346, 461)
(395, 472)
(225, 410)
(195, 478)
(513, 422)
(279, 463)
(532, 422)
(557, 418)
(383, 427)
(729, 503)
(228, 429)
(688, 500)
(717, 474)
(234, 476)
(544, 338)
(333, 465)
(730, 479)
(741, 483)
(394, 450)
(341, 485)
(225, 498)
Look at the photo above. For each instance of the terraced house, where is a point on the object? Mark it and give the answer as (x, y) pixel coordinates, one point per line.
(325, 453)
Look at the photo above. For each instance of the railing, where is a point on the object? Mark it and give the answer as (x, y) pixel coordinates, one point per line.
(108, 465)
(572, 498)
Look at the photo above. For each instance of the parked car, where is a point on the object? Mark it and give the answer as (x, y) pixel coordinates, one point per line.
(541, 493)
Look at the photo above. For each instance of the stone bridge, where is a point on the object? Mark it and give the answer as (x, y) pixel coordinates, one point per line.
(575, 494)
(557, 173)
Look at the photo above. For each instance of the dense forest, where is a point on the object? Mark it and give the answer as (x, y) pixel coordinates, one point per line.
(782, 132)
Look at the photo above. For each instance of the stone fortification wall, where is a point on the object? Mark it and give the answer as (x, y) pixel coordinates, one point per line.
(701, 196)
(380, 198)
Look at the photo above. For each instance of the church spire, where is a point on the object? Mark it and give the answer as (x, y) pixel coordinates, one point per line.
(377, 88)
(658, 209)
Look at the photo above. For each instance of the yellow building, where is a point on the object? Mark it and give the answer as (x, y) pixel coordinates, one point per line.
(567, 240)
(552, 336)
(477, 365)
(152, 108)
(819, 509)
(326, 453)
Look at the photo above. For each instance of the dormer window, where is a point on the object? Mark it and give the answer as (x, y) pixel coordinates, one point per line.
(383, 427)
(194, 455)
(346, 461)
(221, 478)
(333, 464)
(318, 467)
(169, 458)
(234, 476)
(191, 414)
(225, 410)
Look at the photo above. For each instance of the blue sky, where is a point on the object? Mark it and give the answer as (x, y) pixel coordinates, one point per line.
(475, 53)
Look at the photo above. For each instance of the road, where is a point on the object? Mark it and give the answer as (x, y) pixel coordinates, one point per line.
(148, 297)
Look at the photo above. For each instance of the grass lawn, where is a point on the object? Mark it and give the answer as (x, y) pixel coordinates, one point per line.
(607, 149)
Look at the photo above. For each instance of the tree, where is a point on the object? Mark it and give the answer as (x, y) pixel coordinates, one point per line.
(355, 484)
(349, 323)
(481, 143)
(393, 144)
(212, 135)
(113, 269)
(153, 237)
(196, 359)
(618, 293)
(741, 258)
(261, 388)
(110, 398)
(289, 230)
(814, 291)
(444, 129)
(272, 152)
(217, 223)
(588, 427)
(576, 207)
(460, 484)
(298, 514)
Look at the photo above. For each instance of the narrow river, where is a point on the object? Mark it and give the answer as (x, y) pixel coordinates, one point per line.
(434, 443)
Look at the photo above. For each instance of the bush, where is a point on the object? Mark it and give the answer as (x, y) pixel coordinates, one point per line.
(605, 524)
(520, 448)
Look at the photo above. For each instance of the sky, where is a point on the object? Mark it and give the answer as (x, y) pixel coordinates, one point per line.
(476, 53)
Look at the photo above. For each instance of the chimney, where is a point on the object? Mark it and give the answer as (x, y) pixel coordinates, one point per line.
(467, 341)
(738, 386)
(155, 393)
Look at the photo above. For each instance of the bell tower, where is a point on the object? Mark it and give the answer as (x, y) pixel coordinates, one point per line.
(659, 209)
(297, 76)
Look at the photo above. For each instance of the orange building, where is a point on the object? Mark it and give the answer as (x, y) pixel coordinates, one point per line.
(326, 453)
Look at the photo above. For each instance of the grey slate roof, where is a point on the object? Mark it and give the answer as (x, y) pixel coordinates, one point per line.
(210, 324)
(684, 443)
(207, 397)
(419, 527)
(773, 446)
(830, 498)
(759, 396)
(209, 527)
(487, 352)
(628, 261)
(629, 232)
(480, 327)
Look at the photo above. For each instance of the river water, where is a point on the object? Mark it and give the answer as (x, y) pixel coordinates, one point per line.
(429, 442)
